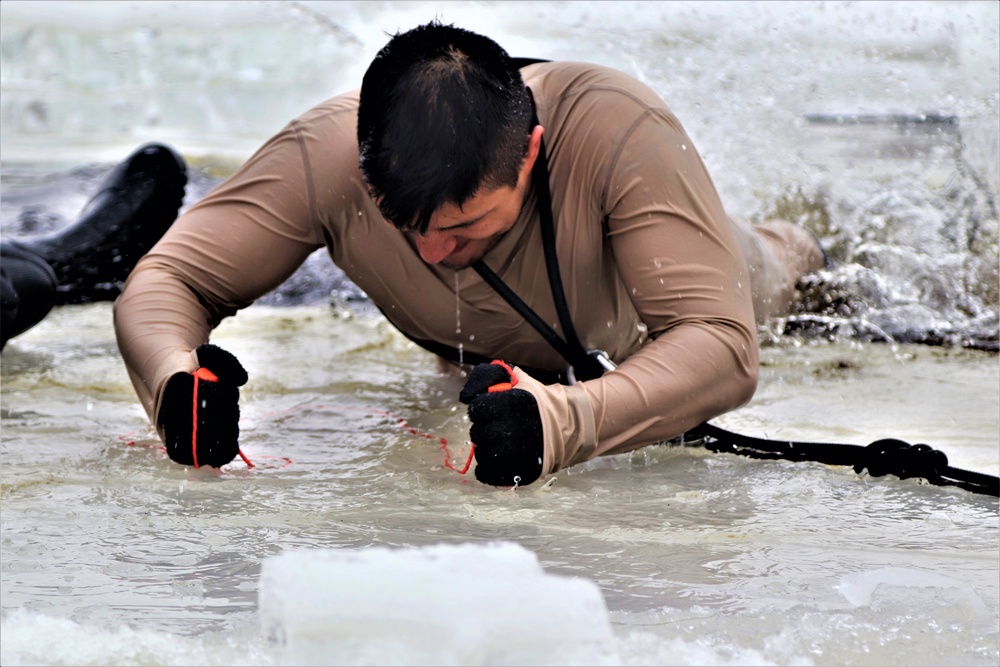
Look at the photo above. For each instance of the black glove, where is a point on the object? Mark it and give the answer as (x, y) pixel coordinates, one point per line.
(217, 404)
(506, 427)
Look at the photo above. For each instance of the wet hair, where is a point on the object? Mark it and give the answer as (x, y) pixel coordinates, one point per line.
(443, 113)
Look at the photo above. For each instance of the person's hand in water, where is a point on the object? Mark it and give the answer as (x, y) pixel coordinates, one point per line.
(506, 426)
(203, 408)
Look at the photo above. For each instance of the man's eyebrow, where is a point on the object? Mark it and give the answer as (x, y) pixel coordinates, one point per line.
(463, 224)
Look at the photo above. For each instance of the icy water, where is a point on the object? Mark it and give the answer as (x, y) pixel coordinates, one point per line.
(875, 125)
(701, 558)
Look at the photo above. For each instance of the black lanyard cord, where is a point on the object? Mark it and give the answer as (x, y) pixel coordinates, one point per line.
(524, 310)
(585, 365)
(540, 176)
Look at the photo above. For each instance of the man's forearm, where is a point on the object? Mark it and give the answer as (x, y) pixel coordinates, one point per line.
(158, 324)
(687, 376)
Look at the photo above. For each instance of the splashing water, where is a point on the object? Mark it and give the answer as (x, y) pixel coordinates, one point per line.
(878, 130)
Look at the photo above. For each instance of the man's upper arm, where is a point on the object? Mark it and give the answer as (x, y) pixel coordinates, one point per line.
(242, 240)
(681, 267)
(249, 234)
(673, 244)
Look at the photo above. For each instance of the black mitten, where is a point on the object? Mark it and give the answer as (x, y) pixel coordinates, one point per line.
(212, 392)
(506, 426)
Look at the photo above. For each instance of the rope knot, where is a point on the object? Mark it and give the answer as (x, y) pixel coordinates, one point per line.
(900, 458)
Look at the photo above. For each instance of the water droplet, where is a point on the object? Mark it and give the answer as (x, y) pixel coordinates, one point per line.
(458, 309)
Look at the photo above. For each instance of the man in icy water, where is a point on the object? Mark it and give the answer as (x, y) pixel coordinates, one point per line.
(445, 192)
(90, 259)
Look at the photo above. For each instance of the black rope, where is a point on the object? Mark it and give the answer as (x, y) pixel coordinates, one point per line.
(540, 176)
(523, 309)
(882, 457)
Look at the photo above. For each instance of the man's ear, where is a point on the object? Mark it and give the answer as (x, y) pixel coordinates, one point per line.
(534, 148)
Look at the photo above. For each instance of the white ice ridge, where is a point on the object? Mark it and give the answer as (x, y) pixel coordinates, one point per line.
(906, 585)
(465, 604)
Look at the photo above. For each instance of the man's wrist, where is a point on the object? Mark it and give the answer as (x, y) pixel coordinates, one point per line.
(568, 425)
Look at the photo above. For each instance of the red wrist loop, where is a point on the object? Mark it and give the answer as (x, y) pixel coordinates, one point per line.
(503, 386)
(199, 374)
(205, 374)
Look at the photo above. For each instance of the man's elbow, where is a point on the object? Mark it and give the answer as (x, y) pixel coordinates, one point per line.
(745, 385)
(745, 371)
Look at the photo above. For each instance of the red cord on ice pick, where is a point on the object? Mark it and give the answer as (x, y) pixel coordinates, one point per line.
(203, 373)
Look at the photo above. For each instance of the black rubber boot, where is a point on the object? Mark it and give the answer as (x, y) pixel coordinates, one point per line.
(27, 290)
(134, 206)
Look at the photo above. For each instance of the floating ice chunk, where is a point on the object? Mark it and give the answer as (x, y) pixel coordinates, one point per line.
(859, 588)
(468, 604)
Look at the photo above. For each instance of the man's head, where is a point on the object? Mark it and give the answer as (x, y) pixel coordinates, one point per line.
(444, 118)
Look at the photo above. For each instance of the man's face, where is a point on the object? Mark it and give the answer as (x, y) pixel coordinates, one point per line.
(458, 236)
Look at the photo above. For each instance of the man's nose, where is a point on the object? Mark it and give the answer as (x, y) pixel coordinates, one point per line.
(435, 247)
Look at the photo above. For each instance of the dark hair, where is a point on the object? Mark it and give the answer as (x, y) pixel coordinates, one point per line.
(443, 112)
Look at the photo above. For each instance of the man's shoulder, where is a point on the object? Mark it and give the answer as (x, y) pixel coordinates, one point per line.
(317, 153)
(573, 78)
(326, 134)
(572, 68)
(339, 109)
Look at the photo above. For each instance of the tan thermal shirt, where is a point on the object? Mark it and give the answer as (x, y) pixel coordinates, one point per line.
(653, 269)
